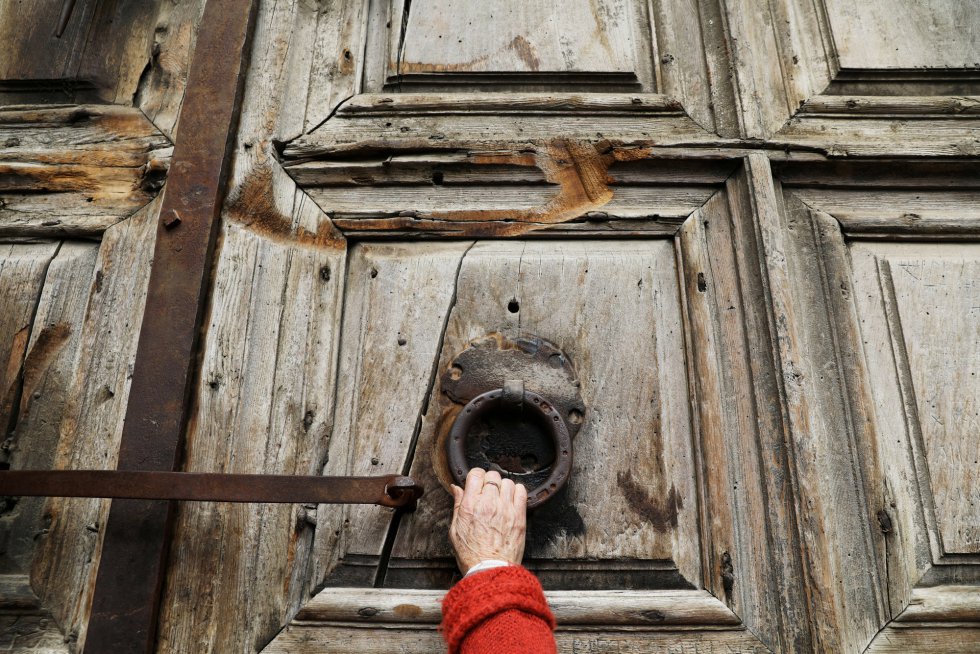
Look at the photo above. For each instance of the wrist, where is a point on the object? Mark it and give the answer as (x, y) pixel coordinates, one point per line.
(487, 564)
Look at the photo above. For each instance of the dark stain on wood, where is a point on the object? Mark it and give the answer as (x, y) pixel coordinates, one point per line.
(49, 343)
(661, 513)
(253, 207)
(557, 517)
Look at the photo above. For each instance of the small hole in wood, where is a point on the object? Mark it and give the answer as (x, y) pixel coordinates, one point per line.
(513, 306)
(437, 177)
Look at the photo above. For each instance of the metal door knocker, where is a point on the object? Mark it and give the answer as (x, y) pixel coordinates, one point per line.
(521, 407)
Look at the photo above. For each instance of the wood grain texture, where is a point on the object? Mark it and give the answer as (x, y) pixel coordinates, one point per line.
(824, 412)
(571, 608)
(877, 136)
(750, 553)
(22, 272)
(66, 556)
(432, 122)
(954, 639)
(103, 47)
(938, 315)
(397, 301)
(901, 356)
(905, 34)
(341, 639)
(264, 401)
(35, 402)
(534, 37)
(25, 626)
(166, 63)
(780, 56)
(614, 310)
(332, 72)
(76, 170)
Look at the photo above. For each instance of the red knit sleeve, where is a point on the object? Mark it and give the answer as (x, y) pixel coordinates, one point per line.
(498, 611)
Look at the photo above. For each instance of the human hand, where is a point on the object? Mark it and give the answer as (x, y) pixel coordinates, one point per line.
(489, 519)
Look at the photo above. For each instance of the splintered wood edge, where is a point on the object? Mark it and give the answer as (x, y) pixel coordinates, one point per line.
(522, 103)
(943, 604)
(571, 608)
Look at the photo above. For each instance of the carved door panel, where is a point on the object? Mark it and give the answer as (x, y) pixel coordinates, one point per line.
(751, 227)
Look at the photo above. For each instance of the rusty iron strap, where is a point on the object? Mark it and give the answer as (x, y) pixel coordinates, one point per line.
(393, 491)
(134, 551)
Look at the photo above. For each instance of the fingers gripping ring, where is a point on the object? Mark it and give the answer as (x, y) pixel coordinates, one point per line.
(538, 407)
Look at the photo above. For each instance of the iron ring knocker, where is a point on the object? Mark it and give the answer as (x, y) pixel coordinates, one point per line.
(543, 410)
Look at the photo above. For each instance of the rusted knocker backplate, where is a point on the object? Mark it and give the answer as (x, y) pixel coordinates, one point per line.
(508, 442)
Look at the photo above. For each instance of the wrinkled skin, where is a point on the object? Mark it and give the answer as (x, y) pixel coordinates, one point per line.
(489, 519)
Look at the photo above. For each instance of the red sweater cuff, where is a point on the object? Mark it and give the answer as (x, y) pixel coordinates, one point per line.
(485, 594)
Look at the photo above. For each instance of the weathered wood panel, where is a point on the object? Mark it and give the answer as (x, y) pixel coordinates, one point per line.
(365, 620)
(341, 639)
(397, 301)
(264, 401)
(66, 558)
(35, 401)
(101, 54)
(921, 333)
(76, 170)
(938, 317)
(826, 415)
(22, 272)
(905, 34)
(750, 552)
(527, 39)
(663, 608)
(613, 308)
(25, 626)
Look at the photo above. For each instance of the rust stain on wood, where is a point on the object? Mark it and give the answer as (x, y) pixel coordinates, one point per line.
(578, 168)
(525, 52)
(405, 611)
(254, 208)
(660, 512)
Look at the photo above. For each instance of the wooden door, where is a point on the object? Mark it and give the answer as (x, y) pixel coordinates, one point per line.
(751, 226)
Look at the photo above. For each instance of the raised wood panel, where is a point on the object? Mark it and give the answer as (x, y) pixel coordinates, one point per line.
(573, 41)
(101, 54)
(535, 45)
(629, 516)
(919, 303)
(905, 34)
(397, 300)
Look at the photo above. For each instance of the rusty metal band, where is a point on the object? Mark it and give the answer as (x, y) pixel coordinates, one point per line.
(133, 556)
(392, 491)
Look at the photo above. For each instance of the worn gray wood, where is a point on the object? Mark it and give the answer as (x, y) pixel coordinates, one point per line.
(496, 37)
(265, 397)
(613, 307)
(825, 429)
(751, 553)
(397, 301)
(25, 626)
(571, 608)
(76, 170)
(904, 34)
(343, 638)
(66, 558)
(34, 401)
